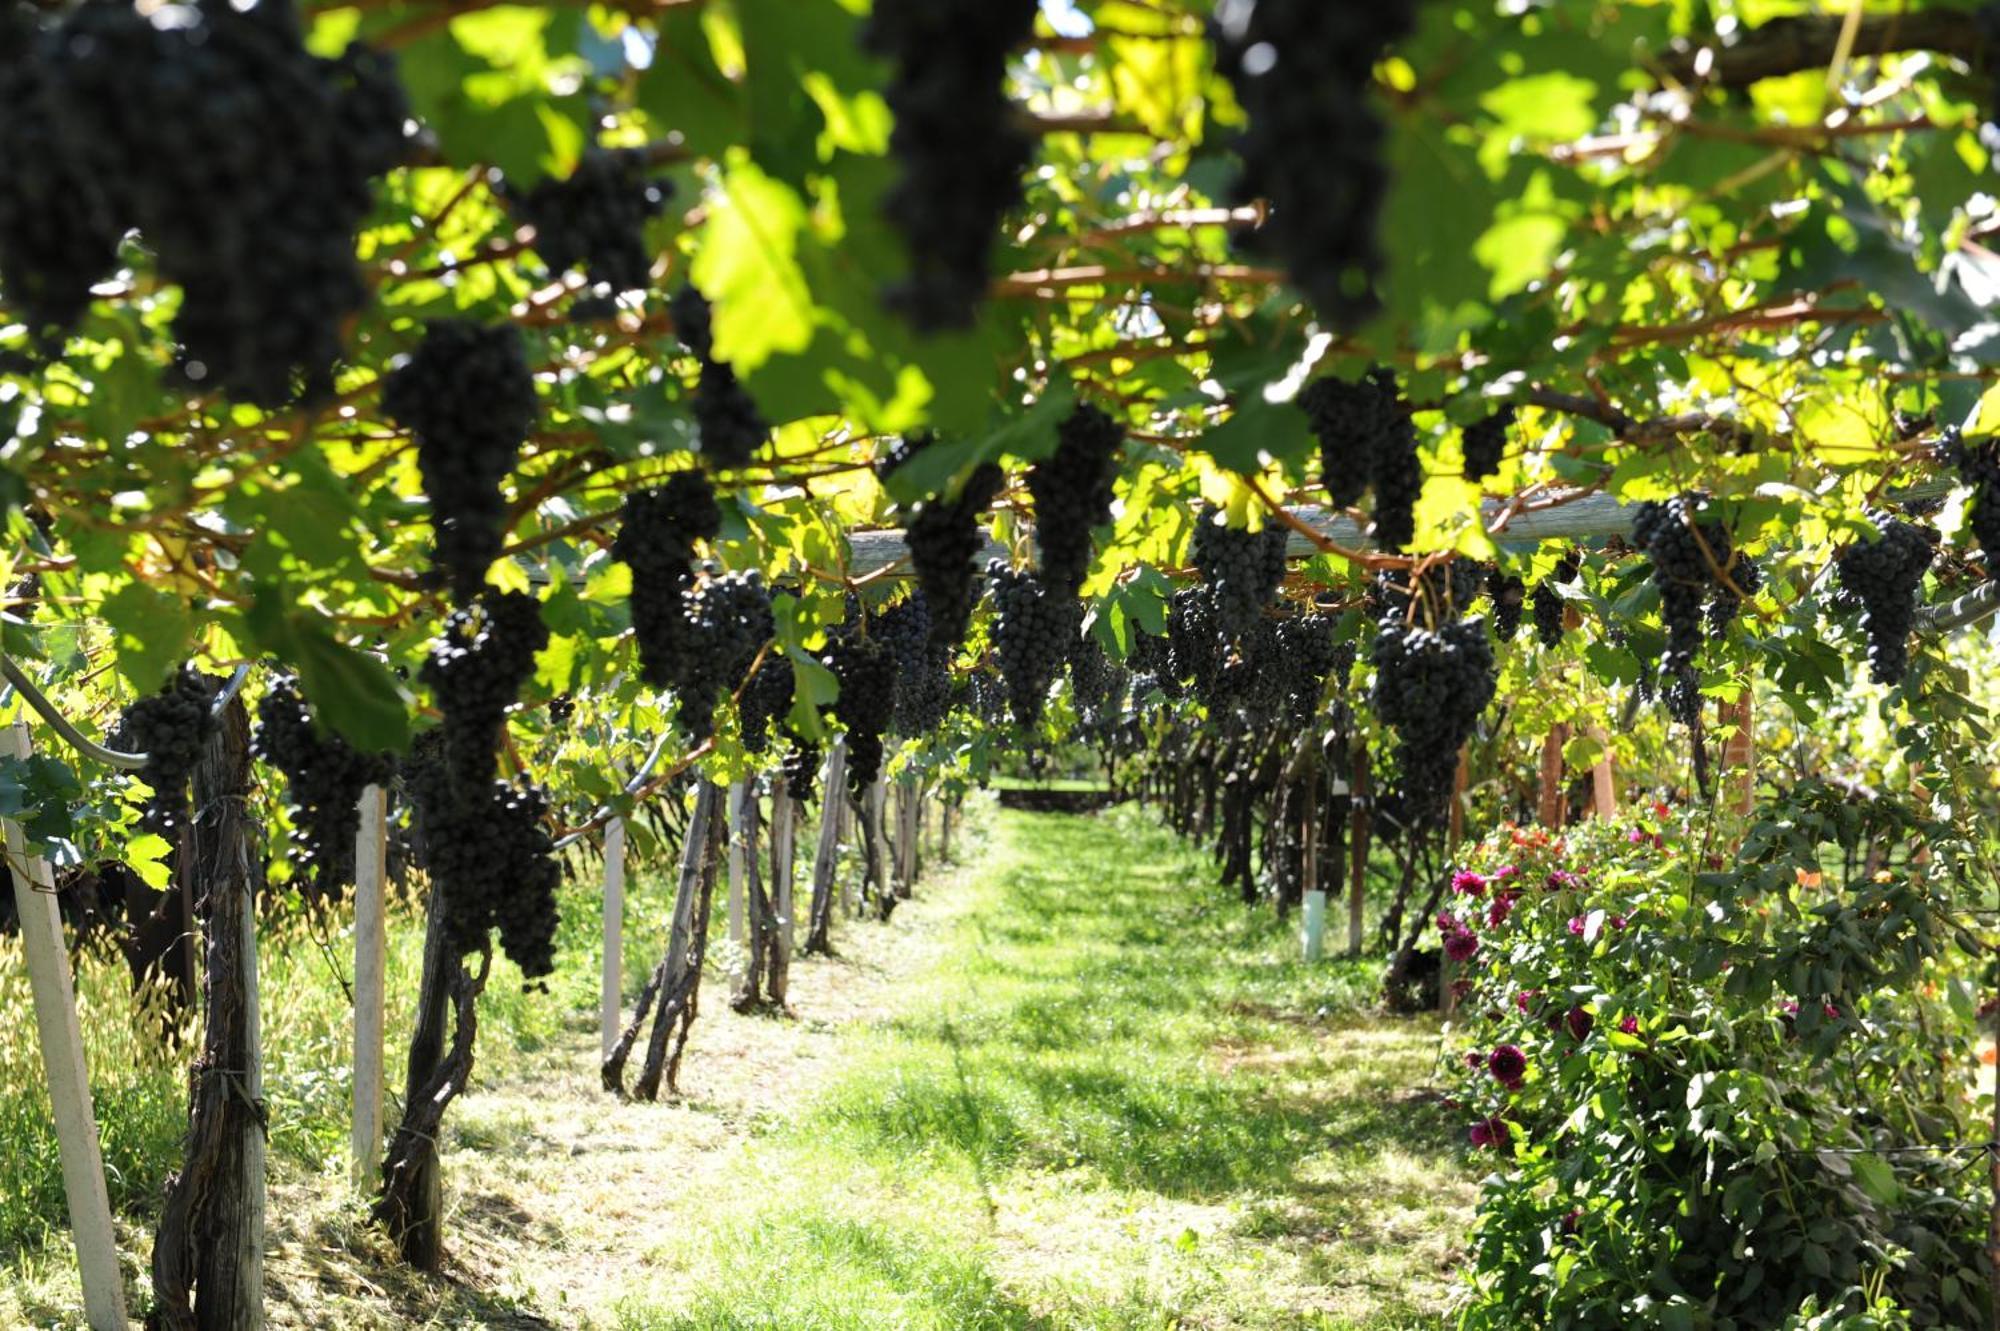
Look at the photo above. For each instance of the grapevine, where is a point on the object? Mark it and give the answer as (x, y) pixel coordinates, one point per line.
(1072, 492)
(324, 778)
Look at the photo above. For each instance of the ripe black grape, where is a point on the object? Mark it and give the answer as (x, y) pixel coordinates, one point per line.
(1509, 595)
(1686, 553)
(475, 670)
(957, 143)
(468, 396)
(865, 670)
(923, 667)
(594, 219)
(1240, 568)
(324, 778)
(1430, 687)
(1194, 641)
(656, 537)
(1032, 628)
(1978, 466)
(1367, 439)
(728, 621)
(766, 698)
(728, 426)
(801, 768)
(1072, 489)
(1550, 609)
(243, 160)
(942, 534)
(491, 860)
(170, 727)
(1303, 71)
(1484, 443)
(1306, 656)
(1885, 575)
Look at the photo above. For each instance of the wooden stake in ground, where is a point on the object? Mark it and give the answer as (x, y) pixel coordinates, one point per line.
(826, 858)
(680, 990)
(741, 959)
(61, 1039)
(680, 934)
(611, 995)
(880, 894)
(371, 862)
(1551, 804)
(1357, 887)
(784, 824)
(1603, 780)
(208, 1255)
(760, 930)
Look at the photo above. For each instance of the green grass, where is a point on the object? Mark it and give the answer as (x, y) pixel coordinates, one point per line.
(1051, 783)
(1117, 1101)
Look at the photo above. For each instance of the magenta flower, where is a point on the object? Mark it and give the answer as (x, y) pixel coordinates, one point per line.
(1829, 1009)
(1506, 871)
(1562, 878)
(1524, 998)
(1461, 946)
(1579, 1023)
(1473, 1058)
(1508, 1066)
(1468, 882)
(1576, 925)
(1630, 1025)
(1489, 1132)
(1620, 921)
(1636, 837)
(1447, 922)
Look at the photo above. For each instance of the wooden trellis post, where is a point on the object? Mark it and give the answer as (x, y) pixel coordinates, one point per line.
(60, 1036)
(371, 859)
(1603, 779)
(611, 997)
(739, 931)
(1357, 887)
(826, 858)
(1550, 809)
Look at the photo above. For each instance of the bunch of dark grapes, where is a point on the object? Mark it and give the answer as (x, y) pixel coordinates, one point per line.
(475, 670)
(1686, 553)
(594, 219)
(923, 668)
(865, 669)
(1430, 687)
(728, 426)
(729, 620)
(956, 140)
(942, 534)
(1485, 443)
(1306, 655)
(657, 531)
(468, 396)
(170, 727)
(1303, 71)
(1367, 439)
(1091, 676)
(1251, 683)
(800, 766)
(1240, 569)
(245, 161)
(1509, 595)
(1072, 492)
(1550, 608)
(1978, 466)
(1032, 628)
(490, 858)
(766, 698)
(1884, 575)
(1194, 639)
(324, 778)
(1726, 602)
(561, 708)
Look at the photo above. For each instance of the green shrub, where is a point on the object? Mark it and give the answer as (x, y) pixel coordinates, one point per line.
(1724, 1091)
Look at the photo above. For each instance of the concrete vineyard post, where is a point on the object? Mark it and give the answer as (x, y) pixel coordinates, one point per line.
(371, 858)
(611, 998)
(60, 1036)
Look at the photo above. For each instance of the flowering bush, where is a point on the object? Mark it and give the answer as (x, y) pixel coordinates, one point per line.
(1721, 1091)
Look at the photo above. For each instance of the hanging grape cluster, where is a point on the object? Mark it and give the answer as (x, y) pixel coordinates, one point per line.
(657, 532)
(801, 768)
(1072, 490)
(865, 669)
(244, 161)
(1687, 554)
(594, 219)
(170, 727)
(923, 667)
(1484, 443)
(727, 424)
(324, 778)
(1509, 595)
(1431, 684)
(1240, 569)
(1978, 466)
(1551, 611)
(1306, 656)
(467, 395)
(1194, 639)
(766, 698)
(491, 860)
(1885, 575)
(1367, 440)
(1032, 628)
(1303, 71)
(475, 671)
(728, 621)
(942, 536)
(955, 139)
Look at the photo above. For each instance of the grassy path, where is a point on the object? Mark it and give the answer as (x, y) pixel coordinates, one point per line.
(1109, 1102)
